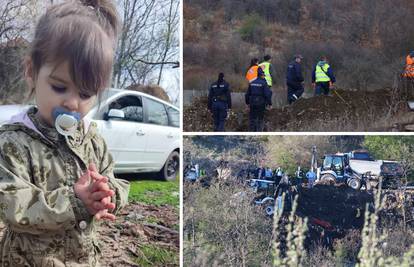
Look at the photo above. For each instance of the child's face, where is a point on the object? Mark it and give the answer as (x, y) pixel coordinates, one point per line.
(54, 88)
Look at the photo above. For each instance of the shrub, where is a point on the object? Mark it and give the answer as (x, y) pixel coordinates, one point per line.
(347, 248)
(252, 29)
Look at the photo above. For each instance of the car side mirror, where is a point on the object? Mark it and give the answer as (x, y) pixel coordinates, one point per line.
(116, 114)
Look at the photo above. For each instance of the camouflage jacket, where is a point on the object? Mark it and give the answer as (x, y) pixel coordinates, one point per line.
(46, 224)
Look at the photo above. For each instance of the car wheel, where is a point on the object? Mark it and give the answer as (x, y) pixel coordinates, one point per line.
(171, 167)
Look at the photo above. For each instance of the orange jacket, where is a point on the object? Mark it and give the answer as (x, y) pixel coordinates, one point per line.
(251, 74)
(409, 67)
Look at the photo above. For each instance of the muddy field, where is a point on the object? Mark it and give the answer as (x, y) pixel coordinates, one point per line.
(344, 110)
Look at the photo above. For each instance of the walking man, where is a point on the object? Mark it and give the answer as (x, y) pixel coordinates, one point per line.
(294, 79)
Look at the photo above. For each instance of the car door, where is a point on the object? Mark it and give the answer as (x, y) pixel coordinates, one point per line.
(162, 133)
(126, 138)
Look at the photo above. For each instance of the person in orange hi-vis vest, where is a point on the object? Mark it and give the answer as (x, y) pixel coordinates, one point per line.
(409, 67)
(251, 74)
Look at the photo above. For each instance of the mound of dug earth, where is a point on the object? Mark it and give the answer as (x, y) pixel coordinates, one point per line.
(344, 110)
(334, 211)
(339, 206)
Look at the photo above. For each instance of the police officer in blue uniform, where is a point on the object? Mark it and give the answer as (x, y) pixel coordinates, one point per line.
(219, 101)
(257, 97)
(294, 79)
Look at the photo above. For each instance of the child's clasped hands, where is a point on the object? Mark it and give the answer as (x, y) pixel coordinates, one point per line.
(93, 190)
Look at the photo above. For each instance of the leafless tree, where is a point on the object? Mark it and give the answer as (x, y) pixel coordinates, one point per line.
(15, 23)
(148, 39)
(12, 22)
(170, 44)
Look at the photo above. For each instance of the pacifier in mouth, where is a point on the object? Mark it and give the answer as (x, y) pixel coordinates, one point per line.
(66, 122)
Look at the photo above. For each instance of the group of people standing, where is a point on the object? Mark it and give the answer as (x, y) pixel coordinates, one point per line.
(258, 97)
(323, 78)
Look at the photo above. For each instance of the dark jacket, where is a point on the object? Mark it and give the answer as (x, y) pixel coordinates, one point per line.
(259, 87)
(260, 173)
(219, 92)
(294, 73)
(329, 73)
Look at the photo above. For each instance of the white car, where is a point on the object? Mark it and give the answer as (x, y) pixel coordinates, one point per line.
(142, 132)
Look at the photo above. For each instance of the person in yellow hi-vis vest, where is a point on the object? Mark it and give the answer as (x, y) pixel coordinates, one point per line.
(251, 73)
(322, 77)
(267, 68)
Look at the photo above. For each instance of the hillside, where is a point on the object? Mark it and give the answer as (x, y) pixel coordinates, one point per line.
(365, 41)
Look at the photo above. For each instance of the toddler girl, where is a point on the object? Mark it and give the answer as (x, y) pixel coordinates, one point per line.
(55, 183)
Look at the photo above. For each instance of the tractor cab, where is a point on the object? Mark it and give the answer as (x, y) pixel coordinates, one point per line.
(335, 163)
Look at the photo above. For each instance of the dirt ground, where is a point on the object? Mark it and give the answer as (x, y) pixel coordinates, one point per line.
(122, 242)
(344, 110)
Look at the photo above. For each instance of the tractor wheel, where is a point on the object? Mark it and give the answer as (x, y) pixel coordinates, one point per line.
(354, 183)
(269, 207)
(327, 179)
(270, 210)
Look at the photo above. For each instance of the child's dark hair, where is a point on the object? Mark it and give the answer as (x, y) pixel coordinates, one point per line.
(84, 34)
